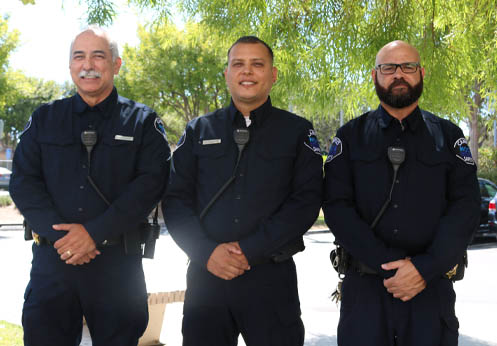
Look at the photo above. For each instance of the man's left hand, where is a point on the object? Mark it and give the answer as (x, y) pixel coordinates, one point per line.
(77, 246)
(406, 283)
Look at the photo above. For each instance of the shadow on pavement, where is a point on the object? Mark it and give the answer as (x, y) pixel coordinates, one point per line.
(322, 340)
(482, 244)
(465, 340)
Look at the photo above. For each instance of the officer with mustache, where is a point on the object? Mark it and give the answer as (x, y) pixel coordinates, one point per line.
(402, 200)
(86, 173)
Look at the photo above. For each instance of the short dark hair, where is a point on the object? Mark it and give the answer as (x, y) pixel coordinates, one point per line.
(251, 39)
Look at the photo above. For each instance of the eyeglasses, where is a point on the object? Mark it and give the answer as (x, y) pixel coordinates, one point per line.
(406, 67)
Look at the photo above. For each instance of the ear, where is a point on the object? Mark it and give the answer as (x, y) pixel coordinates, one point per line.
(226, 74)
(423, 72)
(373, 74)
(274, 71)
(117, 65)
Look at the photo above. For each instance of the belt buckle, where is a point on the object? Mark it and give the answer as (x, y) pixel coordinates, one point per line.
(36, 238)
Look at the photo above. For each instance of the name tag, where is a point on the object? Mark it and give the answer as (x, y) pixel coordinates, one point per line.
(211, 141)
(123, 138)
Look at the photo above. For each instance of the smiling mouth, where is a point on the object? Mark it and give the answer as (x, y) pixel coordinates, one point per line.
(247, 83)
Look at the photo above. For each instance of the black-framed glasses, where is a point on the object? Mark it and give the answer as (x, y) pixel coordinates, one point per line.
(406, 67)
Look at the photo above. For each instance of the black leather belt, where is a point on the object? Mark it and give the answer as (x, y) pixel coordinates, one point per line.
(361, 268)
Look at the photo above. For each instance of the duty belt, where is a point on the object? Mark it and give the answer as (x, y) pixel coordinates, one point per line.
(363, 269)
(40, 240)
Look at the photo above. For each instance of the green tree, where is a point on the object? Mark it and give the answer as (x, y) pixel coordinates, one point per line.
(8, 42)
(28, 94)
(176, 72)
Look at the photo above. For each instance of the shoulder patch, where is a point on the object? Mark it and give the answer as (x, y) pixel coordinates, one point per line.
(27, 126)
(463, 152)
(159, 126)
(335, 149)
(181, 140)
(313, 142)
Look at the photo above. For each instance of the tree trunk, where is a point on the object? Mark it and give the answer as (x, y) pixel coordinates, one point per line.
(474, 116)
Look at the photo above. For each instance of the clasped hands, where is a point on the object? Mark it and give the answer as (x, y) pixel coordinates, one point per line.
(77, 246)
(406, 283)
(227, 261)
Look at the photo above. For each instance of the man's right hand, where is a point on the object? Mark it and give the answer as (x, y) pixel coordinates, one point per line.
(227, 261)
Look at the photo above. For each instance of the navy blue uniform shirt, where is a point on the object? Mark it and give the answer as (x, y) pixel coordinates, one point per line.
(275, 197)
(435, 200)
(129, 164)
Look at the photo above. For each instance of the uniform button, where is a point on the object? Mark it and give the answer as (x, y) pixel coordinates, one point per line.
(236, 220)
(81, 187)
(238, 197)
(84, 166)
(395, 231)
(395, 206)
(80, 209)
(241, 174)
(398, 139)
(397, 181)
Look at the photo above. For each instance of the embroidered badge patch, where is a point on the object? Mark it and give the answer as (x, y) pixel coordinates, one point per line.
(335, 149)
(159, 126)
(27, 126)
(313, 142)
(462, 151)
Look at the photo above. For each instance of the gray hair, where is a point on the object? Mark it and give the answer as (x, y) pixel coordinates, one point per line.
(113, 47)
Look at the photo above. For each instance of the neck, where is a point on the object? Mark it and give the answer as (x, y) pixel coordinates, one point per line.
(246, 108)
(399, 113)
(93, 100)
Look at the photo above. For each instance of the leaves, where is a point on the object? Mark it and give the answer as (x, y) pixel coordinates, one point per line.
(178, 73)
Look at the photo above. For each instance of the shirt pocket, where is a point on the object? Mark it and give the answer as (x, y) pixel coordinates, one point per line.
(212, 162)
(60, 154)
(275, 164)
(433, 168)
(115, 158)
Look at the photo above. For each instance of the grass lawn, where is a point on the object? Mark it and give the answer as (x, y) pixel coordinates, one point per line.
(10, 334)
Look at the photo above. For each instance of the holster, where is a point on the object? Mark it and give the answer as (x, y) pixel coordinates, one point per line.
(28, 231)
(340, 259)
(288, 250)
(149, 234)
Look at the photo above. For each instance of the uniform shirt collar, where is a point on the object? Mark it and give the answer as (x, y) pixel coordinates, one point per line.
(411, 121)
(104, 107)
(258, 115)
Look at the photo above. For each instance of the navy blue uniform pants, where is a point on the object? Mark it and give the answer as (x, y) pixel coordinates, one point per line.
(109, 291)
(369, 315)
(262, 305)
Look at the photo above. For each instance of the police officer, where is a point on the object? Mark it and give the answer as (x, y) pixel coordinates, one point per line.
(86, 259)
(396, 291)
(241, 277)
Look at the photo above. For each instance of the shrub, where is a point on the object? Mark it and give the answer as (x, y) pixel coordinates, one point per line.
(487, 163)
(5, 201)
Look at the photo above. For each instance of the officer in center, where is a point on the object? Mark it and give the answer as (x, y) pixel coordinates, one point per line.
(246, 184)
(86, 173)
(402, 199)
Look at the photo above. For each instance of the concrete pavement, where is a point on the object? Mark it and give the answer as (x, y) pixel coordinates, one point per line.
(476, 295)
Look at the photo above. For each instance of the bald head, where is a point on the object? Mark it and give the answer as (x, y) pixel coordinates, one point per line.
(397, 52)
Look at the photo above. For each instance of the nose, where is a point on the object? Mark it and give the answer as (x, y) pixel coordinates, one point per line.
(247, 69)
(88, 64)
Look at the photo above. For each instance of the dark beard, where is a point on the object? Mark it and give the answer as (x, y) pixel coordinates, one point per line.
(399, 100)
